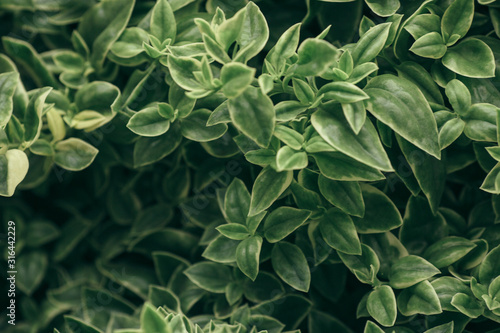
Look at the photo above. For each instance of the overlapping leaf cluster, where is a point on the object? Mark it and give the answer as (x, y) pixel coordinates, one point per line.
(247, 174)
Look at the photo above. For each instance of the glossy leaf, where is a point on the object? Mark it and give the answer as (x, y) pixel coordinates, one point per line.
(380, 212)
(253, 113)
(381, 305)
(411, 270)
(471, 58)
(364, 147)
(291, 266)
(74, 154)
(247, 256)
(420, 298)
(268, 186)
(405, 110)
(283, 221)
(339, 232)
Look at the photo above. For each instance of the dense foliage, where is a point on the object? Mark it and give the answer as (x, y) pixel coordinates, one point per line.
(189, 166)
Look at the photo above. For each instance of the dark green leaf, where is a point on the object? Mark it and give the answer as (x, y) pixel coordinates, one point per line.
(411, 270)
(339, 232)
(252, 112)
(405, 110)
(283, 221)
(291, 266)
(247, 256)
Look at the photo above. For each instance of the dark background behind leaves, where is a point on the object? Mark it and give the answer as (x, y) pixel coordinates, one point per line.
(226, 222)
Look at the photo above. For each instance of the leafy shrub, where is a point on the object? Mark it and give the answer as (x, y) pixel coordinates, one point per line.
(243, 173)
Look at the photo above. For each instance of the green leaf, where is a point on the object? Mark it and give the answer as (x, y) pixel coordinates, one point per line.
(450, 132)
(42, 147)
(182, 70)
(405, 110)
(150, 150)
(338, 166)
(381, 214)
(457, 18)
(289, 110)
(364, 266)
(268, 187)
(31, 268)
(445, 328)
(411, 270)
(446, 287)
(33, 115)
(421, 227)
(221, 249)
(247, 256)
(364, 147)
(459, 96)
(148, 122)
(252, 113)
(209, 276)
(160, 296)
(290, 159)
(234, 231)
(480, 122)
(303, 91)
(371, 327)
(291, 266)
(14, 166)
(342, 92)
(163, 23)
(381, 305)
(254, 33)
(490, 267)
(74, 154)
(339, 232)
(371, 43)
(323, 322)
(430, 45)
(285, 46)
(234, 292)
(283, 221)
(344, 195)
(101, 97)
(423, 24)
(194, 127)
(289, 136)
(69, 61)
(471, 58)
(237, 202)
(236, 78)
(41, 232)
(25, 55)
(494, 288)
(355, 113)
(152, 320)
(362, 71)
(130, 43)
(419, 299)
(8, 83)
(383, 8)
(229, 30)
(467, 305)
(491, 184)
(315, 56)
(77, 325)
(448, 250)
(417, 74)
(101, 26)
(254, 221)
(265, 287)
(429, 172)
